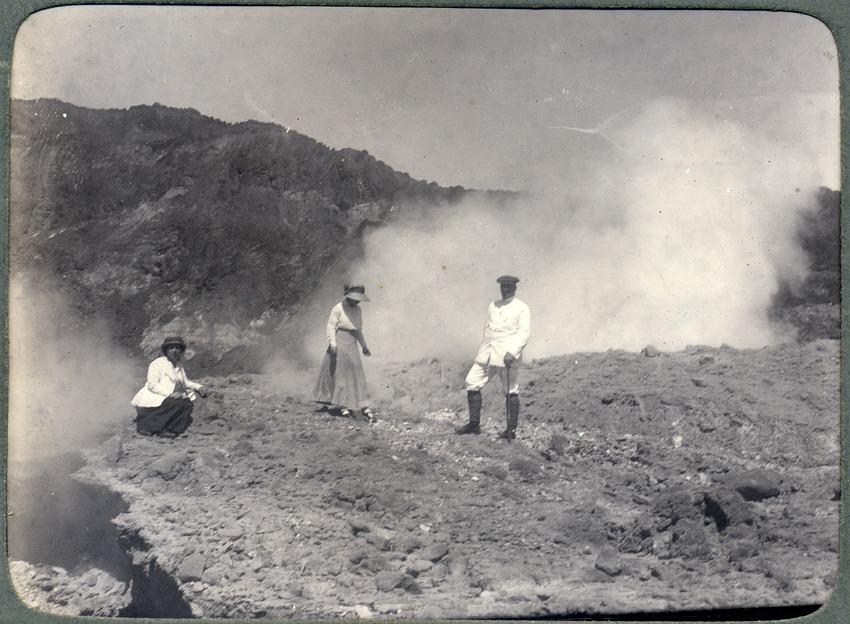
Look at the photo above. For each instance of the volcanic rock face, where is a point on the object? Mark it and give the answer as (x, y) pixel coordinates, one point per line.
(161, 219)
(629, 489)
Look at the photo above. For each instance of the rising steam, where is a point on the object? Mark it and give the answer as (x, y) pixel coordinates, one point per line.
(677, 236)
(67, 383)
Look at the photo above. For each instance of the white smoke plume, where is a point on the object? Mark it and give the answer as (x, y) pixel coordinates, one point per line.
(677, 233)
(68, 385)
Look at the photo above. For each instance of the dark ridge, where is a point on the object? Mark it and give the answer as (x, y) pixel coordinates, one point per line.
(136, 212)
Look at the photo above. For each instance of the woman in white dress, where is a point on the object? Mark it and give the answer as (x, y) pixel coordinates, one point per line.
(342, 382)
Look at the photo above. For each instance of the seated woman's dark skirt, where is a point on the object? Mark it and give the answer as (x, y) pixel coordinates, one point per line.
(171, 418)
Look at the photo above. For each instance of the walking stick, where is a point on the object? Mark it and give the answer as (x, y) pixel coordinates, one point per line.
(507, 394)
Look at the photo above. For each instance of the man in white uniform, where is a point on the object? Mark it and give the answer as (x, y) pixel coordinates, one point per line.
(505, 336)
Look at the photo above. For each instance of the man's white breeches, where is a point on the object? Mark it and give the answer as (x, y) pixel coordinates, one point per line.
(480, 374)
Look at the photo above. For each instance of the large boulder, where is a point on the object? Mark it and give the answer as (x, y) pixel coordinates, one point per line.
(727, 507)
(755, 485)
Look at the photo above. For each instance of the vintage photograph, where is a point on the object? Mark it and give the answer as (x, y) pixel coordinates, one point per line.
(423, 313)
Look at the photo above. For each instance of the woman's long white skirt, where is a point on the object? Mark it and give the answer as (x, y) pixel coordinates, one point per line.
(341, 380)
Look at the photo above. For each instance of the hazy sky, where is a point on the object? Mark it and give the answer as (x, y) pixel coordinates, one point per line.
(476, 97)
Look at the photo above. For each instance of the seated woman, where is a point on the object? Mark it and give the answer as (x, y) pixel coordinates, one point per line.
(164, 404)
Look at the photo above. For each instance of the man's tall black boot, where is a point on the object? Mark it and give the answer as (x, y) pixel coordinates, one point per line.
(474, 424)
(513, 417)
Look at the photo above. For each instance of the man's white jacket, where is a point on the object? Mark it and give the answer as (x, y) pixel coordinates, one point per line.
(506, 331)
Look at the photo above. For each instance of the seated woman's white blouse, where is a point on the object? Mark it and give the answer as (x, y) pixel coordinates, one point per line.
(163, 378)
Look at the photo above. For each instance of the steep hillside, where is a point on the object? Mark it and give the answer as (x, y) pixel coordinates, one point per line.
(156, 217)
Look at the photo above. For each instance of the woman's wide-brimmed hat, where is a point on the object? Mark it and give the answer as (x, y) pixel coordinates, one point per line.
(357, 293)
(173, 341)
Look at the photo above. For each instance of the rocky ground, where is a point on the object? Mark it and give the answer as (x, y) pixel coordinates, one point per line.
(639, 482)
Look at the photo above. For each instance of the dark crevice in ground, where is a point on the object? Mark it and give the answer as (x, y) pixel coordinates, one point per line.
(64, 522)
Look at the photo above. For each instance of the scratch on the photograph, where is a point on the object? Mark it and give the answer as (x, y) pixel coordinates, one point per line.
(249, 100)
(600, 130)
(366, 131)
(596, 130)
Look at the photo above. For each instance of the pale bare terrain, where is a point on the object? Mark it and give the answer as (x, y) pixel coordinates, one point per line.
(640, 482)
